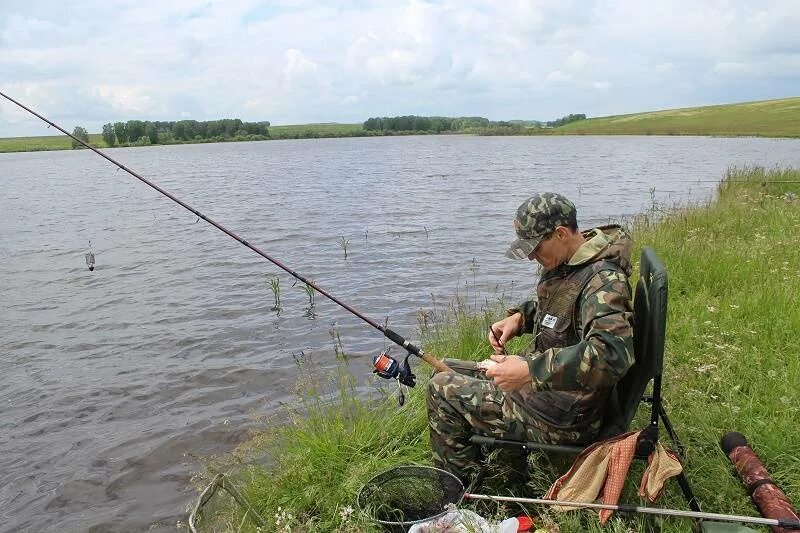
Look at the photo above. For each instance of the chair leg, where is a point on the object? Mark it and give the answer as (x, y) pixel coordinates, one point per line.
(688, 494)
(683, 481)
(671, 432)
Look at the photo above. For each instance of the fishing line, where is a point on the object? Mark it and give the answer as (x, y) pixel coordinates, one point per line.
(388, 333)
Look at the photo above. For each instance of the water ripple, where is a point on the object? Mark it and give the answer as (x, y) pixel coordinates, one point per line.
(114, 379)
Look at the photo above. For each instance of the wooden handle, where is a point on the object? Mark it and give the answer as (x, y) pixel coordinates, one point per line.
(437, 364)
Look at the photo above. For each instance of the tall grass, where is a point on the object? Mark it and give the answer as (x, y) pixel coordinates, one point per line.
(731, 364)
(734, 316)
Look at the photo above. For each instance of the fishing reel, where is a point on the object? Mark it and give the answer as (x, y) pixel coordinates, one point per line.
(388, 367)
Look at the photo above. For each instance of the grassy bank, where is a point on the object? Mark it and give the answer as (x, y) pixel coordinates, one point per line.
(297, 131)
(731, 364)
(300, 131)
(43, 143)
(766, 118)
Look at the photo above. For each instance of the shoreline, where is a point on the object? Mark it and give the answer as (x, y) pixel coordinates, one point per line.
(64, 142)
(726, 344)
(778, 118)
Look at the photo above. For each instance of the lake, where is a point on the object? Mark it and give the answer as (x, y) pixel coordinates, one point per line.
(115, 380)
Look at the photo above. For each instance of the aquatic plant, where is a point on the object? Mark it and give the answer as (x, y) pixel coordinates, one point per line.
(344, 243)
(275, 286)
(310, 292)
(338, 347)
(474, 267)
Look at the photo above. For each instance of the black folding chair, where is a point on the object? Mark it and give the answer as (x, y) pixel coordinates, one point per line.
(650, 323)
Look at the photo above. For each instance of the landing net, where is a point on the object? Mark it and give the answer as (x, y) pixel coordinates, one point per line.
(405, 495)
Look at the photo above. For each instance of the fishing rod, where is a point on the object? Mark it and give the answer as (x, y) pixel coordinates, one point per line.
(787, 523)
(384, 365)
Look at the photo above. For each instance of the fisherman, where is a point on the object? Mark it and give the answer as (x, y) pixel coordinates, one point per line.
(557, 390)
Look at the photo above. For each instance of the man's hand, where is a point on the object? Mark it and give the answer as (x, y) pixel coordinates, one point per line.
(509, 372)
(503, 330)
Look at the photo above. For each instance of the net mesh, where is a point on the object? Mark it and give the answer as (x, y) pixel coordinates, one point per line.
(404, 495)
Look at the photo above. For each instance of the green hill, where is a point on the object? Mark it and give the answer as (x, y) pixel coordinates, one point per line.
(766, 118)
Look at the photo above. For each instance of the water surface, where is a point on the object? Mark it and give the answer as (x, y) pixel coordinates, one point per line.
(114, 380)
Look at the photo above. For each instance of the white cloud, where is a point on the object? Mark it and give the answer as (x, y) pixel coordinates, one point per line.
(124, 98)
(300, 73)
(577, 60)
(664, 68)
(773, 66)
(22, 31)
(302, 61)
(601, 85)
(558, 77)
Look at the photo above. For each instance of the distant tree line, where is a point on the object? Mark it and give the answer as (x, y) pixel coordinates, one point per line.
(431, 124)
(565, 120)
(143, 132)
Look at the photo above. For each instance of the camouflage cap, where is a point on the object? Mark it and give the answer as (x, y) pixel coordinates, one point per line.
(536, 218)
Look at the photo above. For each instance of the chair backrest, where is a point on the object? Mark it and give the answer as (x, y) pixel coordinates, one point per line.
(649, 330)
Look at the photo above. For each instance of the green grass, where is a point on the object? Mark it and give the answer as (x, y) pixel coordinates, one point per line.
(767, 118)
(731, 364)
(45, 142)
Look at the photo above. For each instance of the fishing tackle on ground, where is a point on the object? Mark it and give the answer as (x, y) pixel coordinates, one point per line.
(407, 495)
(388, 333)
(768, 497)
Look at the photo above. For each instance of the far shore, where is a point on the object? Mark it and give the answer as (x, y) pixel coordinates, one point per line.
(766, 118)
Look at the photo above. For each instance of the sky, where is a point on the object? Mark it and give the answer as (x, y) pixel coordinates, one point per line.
(292, 62)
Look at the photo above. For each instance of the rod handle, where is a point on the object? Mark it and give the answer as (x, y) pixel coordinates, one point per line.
(398, 339)
(437, 364)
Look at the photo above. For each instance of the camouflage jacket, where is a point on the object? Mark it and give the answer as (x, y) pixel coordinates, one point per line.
(582, 324)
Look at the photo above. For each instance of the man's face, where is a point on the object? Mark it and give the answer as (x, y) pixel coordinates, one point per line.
(551, 250)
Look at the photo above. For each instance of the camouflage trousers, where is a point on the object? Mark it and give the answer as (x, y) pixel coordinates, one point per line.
(464, 402)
